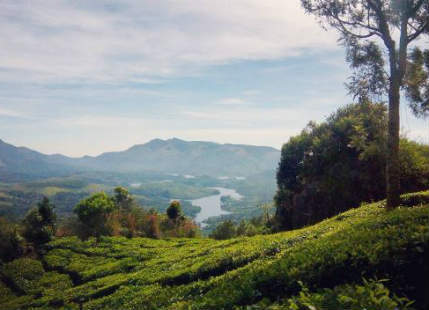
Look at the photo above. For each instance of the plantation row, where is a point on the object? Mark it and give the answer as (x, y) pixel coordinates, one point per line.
(324, 264)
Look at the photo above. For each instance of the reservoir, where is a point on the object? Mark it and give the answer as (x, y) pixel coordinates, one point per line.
(211, 206)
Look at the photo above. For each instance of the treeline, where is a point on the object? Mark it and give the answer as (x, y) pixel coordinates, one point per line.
(245, 228)
(338, 164)
(96, 216)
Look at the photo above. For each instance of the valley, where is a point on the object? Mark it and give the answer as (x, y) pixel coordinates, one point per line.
(20, 189)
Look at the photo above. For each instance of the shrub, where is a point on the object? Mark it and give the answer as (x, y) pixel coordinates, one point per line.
(11, 243)
(24, 273)
(6, 293)
(224, 230)
(368, 295)
(174, 211)
(40, 223)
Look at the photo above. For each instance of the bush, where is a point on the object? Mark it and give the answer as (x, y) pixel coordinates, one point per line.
(174, 211)
(11, 243)
(369, 295)
(6, 293)
(40, 223)
(225, 230)
(24, 273)
(329, 258)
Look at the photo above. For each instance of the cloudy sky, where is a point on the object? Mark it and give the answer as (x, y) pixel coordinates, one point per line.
(83, 77)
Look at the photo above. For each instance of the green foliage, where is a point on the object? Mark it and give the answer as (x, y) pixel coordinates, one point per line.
(225, 230)
(93, 213)
(329, 258)
(176, 189)
(24, 273)
(11, 243)
(417, 81)
(228, 229)
(40, 223)
(6, 293)
(123, 199)
(336, 165)
(369, 295)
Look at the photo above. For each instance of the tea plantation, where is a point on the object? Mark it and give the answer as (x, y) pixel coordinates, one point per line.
(365, 258)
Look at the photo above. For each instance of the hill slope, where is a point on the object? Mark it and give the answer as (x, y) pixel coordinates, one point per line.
(247, 273)
(194, 158)
(21, 163)
(166, 156)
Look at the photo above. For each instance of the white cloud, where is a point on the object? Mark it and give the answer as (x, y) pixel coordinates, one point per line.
(142, 40)
(12, 113)
(251, 92)
(231, 101)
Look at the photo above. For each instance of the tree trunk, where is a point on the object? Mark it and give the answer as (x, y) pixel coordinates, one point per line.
(392, 168)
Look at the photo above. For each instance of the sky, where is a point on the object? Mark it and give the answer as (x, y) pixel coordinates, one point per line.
(85, 77)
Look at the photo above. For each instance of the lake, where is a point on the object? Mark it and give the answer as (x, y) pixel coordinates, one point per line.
(211, 206)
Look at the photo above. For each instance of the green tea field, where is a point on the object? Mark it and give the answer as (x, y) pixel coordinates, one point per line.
(365, 257)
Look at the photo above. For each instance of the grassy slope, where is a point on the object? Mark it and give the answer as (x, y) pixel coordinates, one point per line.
(124, 273)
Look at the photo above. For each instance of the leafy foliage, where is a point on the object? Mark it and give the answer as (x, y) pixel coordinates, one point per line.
(417, 81)
(336, 165)
(40, 223)
(174, 211)
(93, 213)
(250, 272)
(368, 295)
(228, 229)
(11, 243)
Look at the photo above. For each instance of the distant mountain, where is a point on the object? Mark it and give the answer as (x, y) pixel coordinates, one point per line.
(21, 163)
(166, 156)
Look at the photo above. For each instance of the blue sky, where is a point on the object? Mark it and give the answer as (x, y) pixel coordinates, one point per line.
(84, 77)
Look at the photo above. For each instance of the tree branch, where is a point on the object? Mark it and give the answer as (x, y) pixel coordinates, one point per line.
(418, 32)
(417, 7)
(383, 25)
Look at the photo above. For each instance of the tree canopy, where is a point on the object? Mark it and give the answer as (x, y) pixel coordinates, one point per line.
(377, 34)
(40, 222)
(93, 212)
(336, 165)
(174, 210)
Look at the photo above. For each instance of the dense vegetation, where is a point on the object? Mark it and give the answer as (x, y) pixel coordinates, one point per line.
(308, 268)
(150, 190)
(16, 199)
(333, 166)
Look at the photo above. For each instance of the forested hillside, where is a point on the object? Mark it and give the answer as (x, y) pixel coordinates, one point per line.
(291, 270)
(173, 156)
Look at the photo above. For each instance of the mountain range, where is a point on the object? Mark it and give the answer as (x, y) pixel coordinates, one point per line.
(164, 156)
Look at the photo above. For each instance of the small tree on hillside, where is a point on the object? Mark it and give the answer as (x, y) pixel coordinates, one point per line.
(360, 22)
(224, 230)
(123, 199)
(93, 212)
(174, 211)
(11, 243)
(40, 223)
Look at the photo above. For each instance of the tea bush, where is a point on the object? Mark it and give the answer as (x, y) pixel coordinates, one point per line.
(369, 295)
(329, 259)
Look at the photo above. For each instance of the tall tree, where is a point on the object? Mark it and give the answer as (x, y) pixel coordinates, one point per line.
(365, 26)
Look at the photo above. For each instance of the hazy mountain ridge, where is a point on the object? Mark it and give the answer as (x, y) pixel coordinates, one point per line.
(168, 156)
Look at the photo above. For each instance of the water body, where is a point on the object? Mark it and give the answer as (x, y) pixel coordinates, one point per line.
(210, 205)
